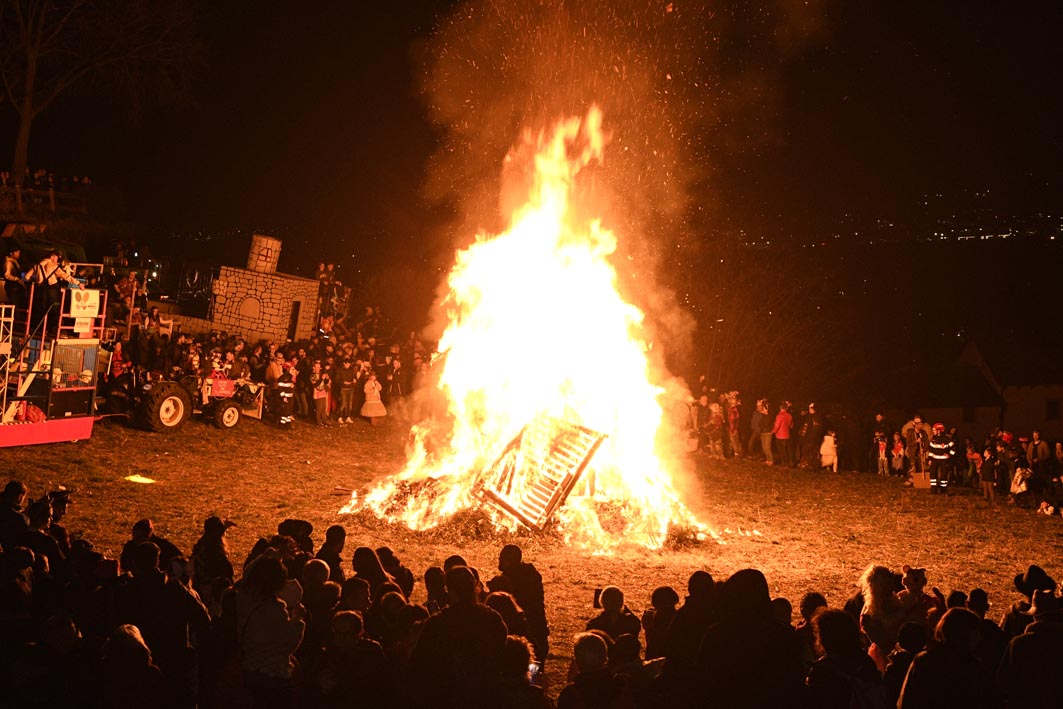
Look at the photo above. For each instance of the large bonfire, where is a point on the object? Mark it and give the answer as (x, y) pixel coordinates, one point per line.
(539, 338)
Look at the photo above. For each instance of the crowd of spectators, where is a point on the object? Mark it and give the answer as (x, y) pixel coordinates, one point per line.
(333, 296)
(338, 374)
(297, 623)
(1026, 471)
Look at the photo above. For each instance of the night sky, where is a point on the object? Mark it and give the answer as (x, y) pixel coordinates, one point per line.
(311, 119)
(906, 99)
(342, 127)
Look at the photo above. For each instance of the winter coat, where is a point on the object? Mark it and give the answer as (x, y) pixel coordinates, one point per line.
(784, 423)
(1028, 676)
(268, 635)
(944, 677)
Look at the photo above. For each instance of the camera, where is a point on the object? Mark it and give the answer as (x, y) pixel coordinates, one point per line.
(597, 598)
(534, 668)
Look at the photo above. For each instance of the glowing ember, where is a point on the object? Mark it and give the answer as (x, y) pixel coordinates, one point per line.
(538, 333)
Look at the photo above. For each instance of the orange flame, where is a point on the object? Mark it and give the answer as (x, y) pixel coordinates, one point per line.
(537, 329)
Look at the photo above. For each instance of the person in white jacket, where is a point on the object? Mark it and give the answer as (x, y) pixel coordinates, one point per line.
(828, 452)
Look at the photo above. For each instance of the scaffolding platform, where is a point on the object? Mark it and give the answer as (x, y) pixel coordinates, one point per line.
(49, 367)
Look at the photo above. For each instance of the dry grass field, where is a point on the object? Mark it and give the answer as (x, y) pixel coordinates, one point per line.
(806, 531)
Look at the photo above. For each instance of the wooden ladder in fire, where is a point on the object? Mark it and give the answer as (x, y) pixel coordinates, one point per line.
(536, 472)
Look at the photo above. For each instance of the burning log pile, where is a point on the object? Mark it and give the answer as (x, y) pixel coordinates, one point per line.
(577, 444)
(538, 470)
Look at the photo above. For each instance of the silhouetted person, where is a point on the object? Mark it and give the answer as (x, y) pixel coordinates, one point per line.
(949, 674)
(991, 642)
(383, 620)
(515, 688)
(270, 623)
(683, 643)
(320, 598)
(627, 666)
(129, 678)
(524, 581)
(616, 619)
(299, 530)
(594, 686)
(331, 552)
(657, 620)
(13, 521)
(366, 565)
(37, 539)
(60, 500)
(355, 596)
(911, 640)
(353, 670)
(166, 612)
(1018, 616)
(435, 585)
(748, 659)
(845, 675)
(214, 573)
(402, 575)
(54, 671)
(455, 560)
(512, 614)
(144, 531)
(458, 657)
(1029, 671)
(811, 603)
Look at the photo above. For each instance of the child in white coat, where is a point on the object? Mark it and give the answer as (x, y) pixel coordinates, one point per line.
(828, 452)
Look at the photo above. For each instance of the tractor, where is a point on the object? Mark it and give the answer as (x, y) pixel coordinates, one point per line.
(163, 405)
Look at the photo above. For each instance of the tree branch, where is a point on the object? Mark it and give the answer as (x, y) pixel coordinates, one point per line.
(60, 25)
(10, 93)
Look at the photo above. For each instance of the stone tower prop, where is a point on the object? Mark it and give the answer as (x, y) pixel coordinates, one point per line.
(260, 303)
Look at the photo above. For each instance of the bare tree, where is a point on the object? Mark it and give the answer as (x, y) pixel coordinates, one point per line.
(49, 47)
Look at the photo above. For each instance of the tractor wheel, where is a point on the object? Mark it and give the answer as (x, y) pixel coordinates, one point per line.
(167, 406)
(226, 414)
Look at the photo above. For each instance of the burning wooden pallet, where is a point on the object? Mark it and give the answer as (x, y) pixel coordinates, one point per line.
(537, 471)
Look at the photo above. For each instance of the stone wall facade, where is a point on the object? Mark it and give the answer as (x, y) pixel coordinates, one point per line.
(259, 306)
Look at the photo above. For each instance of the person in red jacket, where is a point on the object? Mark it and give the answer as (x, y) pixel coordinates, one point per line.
(784, 422)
